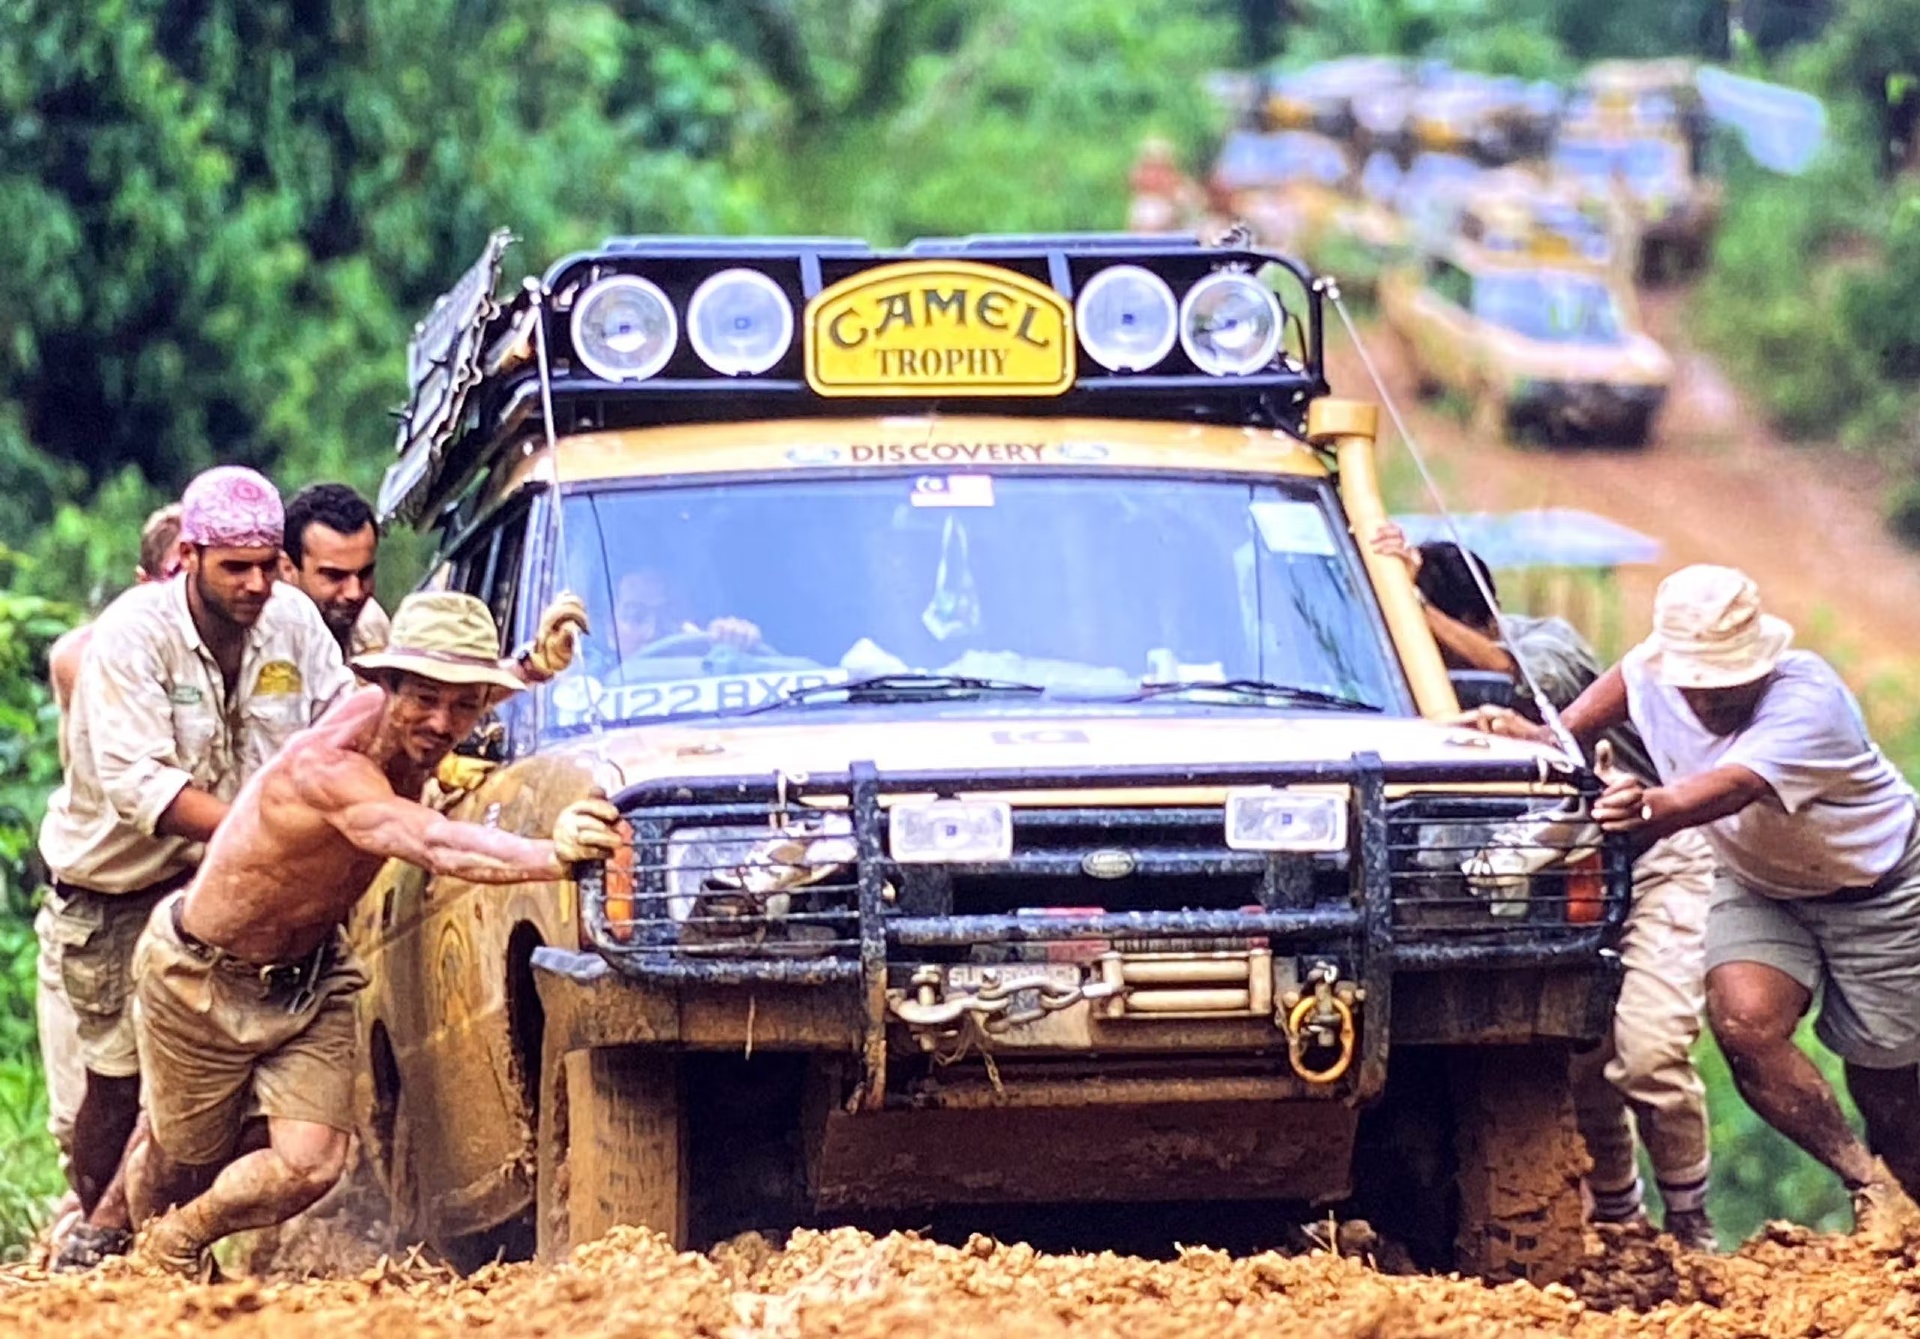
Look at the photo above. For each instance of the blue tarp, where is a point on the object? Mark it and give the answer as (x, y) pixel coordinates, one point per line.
(1548, 537)
(1782, 128)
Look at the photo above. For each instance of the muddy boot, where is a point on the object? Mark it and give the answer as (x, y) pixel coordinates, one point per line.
(1693, 1230)
(171, 1243)
(1884, 1215)
(86, 1246)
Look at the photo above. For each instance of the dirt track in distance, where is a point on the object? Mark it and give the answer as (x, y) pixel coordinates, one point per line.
(1716, 485)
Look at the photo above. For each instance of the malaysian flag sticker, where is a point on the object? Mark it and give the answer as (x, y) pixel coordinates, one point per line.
(953, 490)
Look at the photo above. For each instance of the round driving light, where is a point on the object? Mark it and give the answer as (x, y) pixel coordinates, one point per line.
(1127, 318)
(1230, 324)
(739, 322)
(624, 329)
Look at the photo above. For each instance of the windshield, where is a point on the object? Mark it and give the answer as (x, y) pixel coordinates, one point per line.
(1549, 306)
(1644, 163)
(713, 599)
(1248, 160)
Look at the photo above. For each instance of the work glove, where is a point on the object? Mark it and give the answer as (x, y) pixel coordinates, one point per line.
(584, 830)
(561, 626)
(458, 773)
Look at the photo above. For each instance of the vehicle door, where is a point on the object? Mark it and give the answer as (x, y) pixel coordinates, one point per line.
(1444, 335)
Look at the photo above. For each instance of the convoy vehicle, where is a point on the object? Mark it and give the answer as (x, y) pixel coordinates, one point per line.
(1322, 97)
(1539, 341)
(1674, 208)
(1032, 791)
(1287, 185)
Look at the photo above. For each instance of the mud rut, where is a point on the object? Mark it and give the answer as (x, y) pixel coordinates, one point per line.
(1715, 485)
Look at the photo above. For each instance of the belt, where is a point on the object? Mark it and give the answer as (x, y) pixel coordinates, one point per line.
(172, 883)
(296, 977)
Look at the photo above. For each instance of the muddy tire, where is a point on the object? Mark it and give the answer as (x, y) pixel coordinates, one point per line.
(1519, 1161)
(612, 1148)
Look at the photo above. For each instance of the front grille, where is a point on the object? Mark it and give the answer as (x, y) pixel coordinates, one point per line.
(1469, 867)
(1174, 859)
(726, 883)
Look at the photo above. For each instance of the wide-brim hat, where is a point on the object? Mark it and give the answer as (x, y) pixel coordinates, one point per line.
(1710, 632)
(444, 636)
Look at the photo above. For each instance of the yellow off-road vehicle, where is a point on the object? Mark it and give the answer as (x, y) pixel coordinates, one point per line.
(1539, 340)
(1033, 792)
(1288, 186)
(1636, 138)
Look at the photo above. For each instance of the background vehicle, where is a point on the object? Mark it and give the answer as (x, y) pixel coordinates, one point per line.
(1287, 186)
(1035, 796)
(1540, 346)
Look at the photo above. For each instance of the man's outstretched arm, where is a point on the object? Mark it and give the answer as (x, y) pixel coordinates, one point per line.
(381, 823)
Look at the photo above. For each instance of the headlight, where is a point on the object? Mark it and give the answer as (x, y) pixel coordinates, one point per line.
(1502, 870)
(950, 831)
(1230, 324)
(1127, 318)
(1261, 818)
(727, 873)
(739, 322)
(624, 329)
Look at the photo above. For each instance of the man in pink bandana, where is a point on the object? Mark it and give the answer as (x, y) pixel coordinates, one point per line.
(188, 687)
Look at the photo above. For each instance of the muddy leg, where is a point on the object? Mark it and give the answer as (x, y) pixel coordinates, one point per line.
(302, 1162)
(101, 1128)
(1753, 1009)
(1889, 1100)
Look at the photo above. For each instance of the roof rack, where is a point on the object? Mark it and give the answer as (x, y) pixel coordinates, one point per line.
(475, 384)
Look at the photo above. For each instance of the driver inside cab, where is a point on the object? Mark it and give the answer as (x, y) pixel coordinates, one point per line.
(647, 610)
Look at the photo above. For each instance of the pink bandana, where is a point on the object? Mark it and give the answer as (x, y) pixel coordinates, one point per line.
(232, 507)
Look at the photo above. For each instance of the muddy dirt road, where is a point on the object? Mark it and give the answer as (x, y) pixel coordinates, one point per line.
(849, 1284)
(1715, 486)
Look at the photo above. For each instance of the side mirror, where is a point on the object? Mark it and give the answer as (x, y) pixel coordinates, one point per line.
(1482, 688)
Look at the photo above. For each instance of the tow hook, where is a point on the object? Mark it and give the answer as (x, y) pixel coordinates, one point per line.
(1320, 1024)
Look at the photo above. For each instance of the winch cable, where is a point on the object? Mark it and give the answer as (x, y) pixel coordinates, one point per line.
(1548, 712)
(588, 682)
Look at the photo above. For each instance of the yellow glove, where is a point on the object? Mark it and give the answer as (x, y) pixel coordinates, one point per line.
(458, 772)
(561, 625)
(584, 830)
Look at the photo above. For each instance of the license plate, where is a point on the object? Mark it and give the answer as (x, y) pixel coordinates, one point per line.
(734, 692)
(1019, 975)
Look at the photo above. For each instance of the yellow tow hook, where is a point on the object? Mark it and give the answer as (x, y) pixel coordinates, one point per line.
(1321, 1021)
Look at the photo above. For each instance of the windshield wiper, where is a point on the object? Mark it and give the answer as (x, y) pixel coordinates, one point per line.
(1251, 690)
(897, 688)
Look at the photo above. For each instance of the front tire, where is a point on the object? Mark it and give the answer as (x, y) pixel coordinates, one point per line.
(1519, 1162)
(612, 1148)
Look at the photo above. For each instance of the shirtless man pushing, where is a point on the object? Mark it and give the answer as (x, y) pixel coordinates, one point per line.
(244, 982)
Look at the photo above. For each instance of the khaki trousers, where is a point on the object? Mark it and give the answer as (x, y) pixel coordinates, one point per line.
(1643, 1073)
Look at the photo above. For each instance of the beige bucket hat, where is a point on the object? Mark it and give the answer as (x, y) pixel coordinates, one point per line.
(444, 636)
(1709, 631)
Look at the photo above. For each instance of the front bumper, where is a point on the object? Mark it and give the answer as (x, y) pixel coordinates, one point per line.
(1036, 957)
(1583, 410)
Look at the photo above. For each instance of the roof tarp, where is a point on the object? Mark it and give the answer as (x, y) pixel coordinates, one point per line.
(1547, 537)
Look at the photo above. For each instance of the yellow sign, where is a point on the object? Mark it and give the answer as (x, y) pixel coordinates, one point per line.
(939, 327)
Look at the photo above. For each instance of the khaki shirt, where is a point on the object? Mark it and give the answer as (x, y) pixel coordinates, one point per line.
(370, 631)
(150, 717)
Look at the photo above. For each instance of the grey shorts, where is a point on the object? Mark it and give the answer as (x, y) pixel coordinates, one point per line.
(1862, 956)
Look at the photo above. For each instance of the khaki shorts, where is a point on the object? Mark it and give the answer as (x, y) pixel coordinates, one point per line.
(218, 1047)
(59, 1037)
(1861, 955)
(92, 936)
